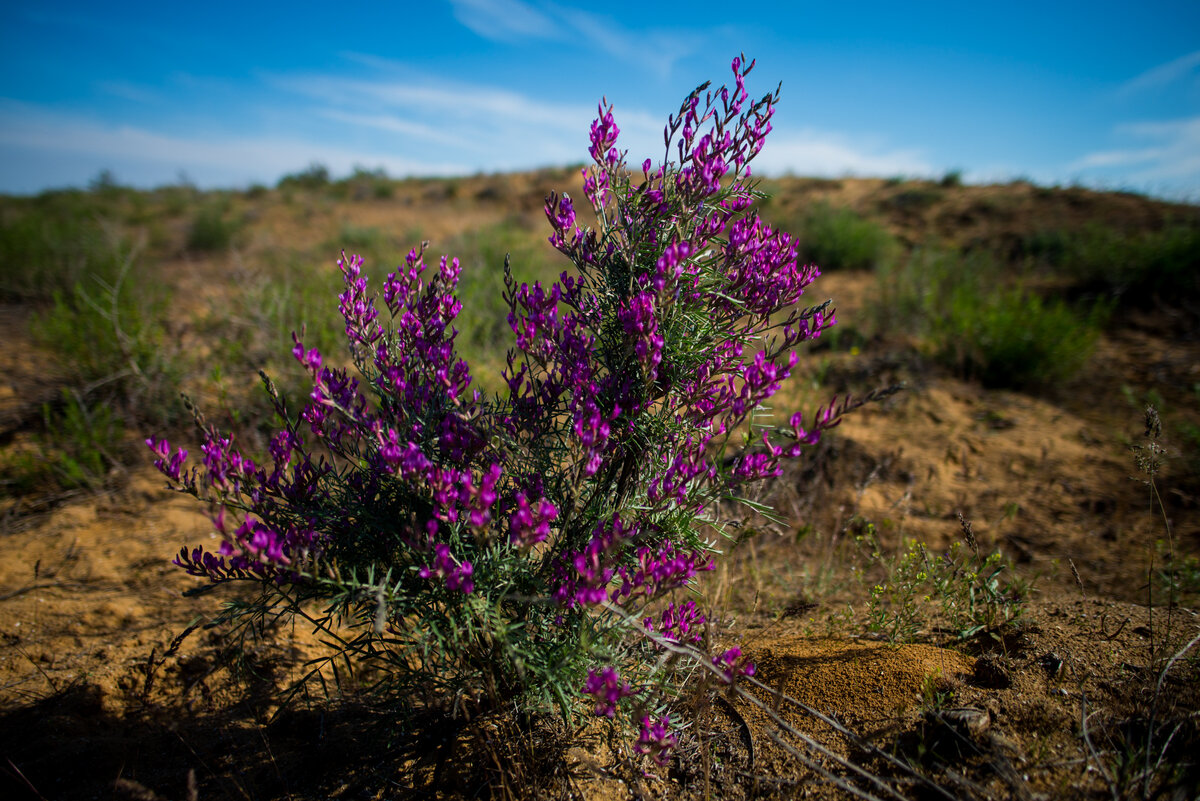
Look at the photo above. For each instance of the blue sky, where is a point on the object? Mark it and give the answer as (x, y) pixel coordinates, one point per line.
(229, 94)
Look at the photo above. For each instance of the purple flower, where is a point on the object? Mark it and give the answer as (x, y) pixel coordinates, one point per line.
(671, 265)
(593, 428)
(456, 575)
(310, 358)
(656, 739)
(607, 689)
(679, 623)
(660, 570)
(604, 137)
(640, 324)
(583, 576)
(357, 307)
(169, 466)
(733, 665)
(528, 524)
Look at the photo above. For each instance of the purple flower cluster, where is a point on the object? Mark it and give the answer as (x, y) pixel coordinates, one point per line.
(593, 576)
(720, 268)
(455, 574)
(657, 571)
(656, 739)
(582, 577)
(421, 385)
(733, 665)
(606, 688)
(170, 466)
(641, 326)
(530, 523)
(682, 623)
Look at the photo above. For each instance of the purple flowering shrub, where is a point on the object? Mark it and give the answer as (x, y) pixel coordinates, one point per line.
(485, 547)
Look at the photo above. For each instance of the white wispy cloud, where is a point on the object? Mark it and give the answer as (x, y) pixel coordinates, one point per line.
(408, 123)
(825, 153)
(443, 100)
(1166, 152)
(1162, 75)
(146, 155)
(390, 123)
(511, 130)
(657, 50)
(516, 22)
(505, 20)
(406, 126)
(505, 128)
(129, 91)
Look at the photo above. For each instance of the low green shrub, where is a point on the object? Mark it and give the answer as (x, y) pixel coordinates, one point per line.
(1014, 338)
(973, 320)
(312, 178)
(84, 441)
(838, 238)
(909, 290)
(211, 231)
(1135, 267)
(105, 182)
(364, 184)
(285, 292)
(109, 337)
(50, 244)
(916, 199)
(77, 446)
(24, 472)
(377, 246)
(951, 179)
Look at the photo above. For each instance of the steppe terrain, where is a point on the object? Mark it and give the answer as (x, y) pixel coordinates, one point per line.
(1078, 681)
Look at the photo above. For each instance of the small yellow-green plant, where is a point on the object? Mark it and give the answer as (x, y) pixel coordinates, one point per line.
(969, 592)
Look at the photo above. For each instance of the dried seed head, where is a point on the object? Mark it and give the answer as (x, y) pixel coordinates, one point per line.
(1075, 573)
(968, 534)
(1153, 424)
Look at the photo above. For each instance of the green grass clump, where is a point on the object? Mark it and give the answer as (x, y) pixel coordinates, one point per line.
(83, 441)
(976, 322)
(211, 231)
(951, 179)
(77, 446)
(381, 252)
(103, 329)
(838, 238)
(1014, 338)
(99, 321)
(295, 290)
(364, 184)
(48, 244)
(1136, 267)
(108, 335)
(314, 177)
